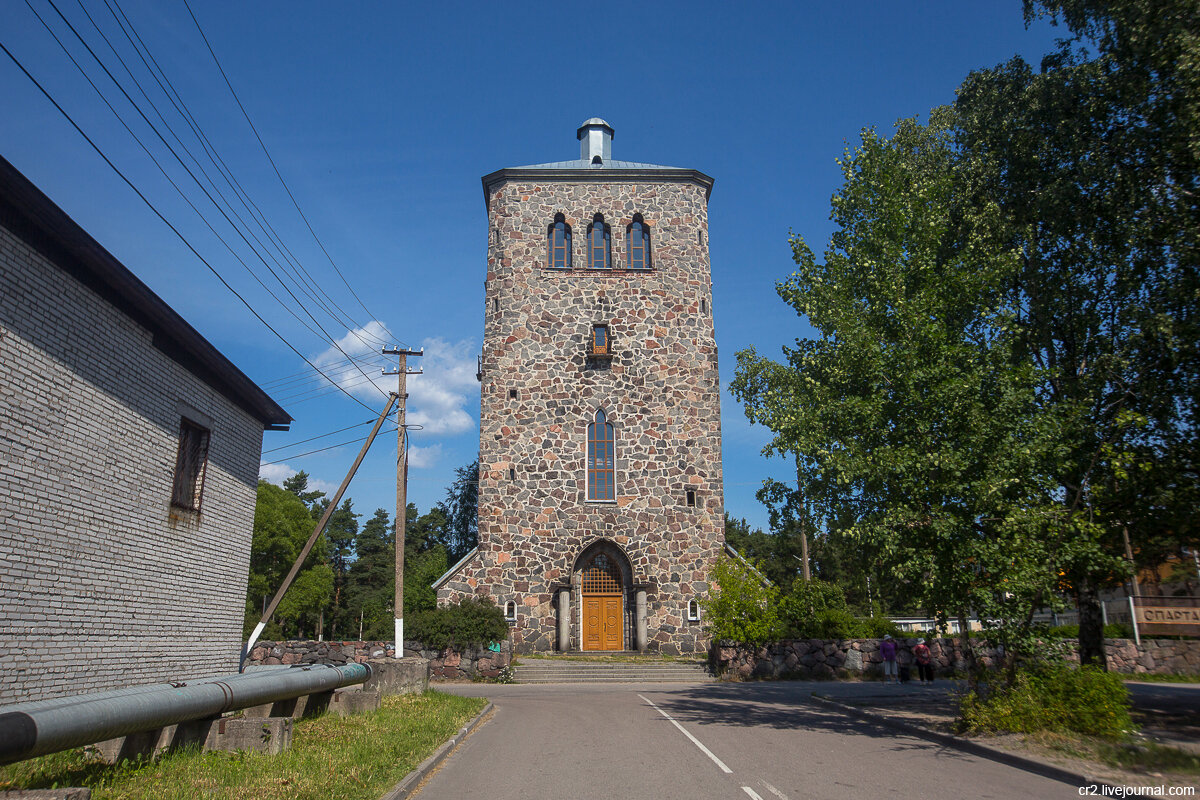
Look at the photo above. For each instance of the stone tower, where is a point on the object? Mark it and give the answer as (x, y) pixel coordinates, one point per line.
(600, 493)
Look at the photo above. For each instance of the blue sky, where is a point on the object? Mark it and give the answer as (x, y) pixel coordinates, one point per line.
(382, 117)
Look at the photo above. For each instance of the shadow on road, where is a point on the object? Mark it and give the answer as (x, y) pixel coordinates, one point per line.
(785, 706)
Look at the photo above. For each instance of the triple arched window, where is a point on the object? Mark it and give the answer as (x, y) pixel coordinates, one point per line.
(599, 244)
(601, 459)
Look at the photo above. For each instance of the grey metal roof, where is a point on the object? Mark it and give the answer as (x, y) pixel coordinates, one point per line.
(610, 171)
(579, 163)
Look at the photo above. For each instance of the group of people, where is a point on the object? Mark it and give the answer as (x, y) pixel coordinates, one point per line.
(922, 658)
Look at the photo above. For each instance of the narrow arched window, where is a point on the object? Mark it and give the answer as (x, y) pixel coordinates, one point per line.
(638, 234)
(601, 460)
(559, 238)
(599, 244)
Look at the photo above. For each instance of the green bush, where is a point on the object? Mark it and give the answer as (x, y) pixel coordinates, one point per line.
(742, 606)
(1114, 630)
(818, 610)
(471, 623)
(1053, 697)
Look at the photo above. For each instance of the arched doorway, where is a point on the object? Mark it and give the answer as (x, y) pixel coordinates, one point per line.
(602, 591)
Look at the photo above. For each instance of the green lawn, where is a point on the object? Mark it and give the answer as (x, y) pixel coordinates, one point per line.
(331, 757)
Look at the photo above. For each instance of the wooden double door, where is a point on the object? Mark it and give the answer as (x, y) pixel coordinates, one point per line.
(602, 629)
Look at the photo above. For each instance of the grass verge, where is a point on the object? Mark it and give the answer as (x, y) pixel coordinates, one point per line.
(350, 758)
(1146, 677)
(1141, 757)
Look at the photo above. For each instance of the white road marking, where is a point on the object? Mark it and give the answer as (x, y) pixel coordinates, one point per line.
(773, 790)
(696, 742)
(753, 794)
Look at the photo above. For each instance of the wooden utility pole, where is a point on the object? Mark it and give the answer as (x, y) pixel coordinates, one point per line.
(401, 482)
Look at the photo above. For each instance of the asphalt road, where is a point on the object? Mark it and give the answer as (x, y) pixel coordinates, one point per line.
(696, 741)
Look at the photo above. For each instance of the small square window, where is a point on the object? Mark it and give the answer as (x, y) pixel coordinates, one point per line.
(690, 498)
(510, 611)
(600, 343)
(703, 306)
(512, 473)
(512, 394)
(693, 611)
(190, 462)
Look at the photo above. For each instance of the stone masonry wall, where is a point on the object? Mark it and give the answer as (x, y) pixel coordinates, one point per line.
(540, 392)
(450, 664)
(817, 658)
(102, 583)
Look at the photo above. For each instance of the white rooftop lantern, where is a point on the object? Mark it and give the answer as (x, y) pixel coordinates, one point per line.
(595, 141)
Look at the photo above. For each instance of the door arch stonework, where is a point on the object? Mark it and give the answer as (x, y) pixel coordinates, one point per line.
(603, 576)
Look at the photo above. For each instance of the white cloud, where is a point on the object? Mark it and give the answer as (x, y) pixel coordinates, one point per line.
(275, 473)
(424, 457)
(437, 398)
(362, 344)
(278, 473)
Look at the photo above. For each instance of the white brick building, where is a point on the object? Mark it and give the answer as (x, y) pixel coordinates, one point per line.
(129, 452)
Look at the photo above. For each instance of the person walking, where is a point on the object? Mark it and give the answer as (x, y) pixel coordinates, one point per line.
(924, 662)
(887, 649)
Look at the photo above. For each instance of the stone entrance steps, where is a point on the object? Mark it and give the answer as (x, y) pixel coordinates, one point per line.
(563, 669)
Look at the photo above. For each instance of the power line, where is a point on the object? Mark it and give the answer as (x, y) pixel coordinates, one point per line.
(321, 436)
(130, 32)
(321, 450)
(167, 175)
(191, 174)
(341, 366)
(274, 167)
(167, 222)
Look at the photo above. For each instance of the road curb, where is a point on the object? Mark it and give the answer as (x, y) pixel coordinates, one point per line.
(968, 746)
(413, 779)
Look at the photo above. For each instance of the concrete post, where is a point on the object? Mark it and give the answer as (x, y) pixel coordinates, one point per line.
(642, 644)
(564, 620)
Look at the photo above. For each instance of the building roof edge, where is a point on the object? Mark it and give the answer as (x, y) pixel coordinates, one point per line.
(605, 175)
(48, 229)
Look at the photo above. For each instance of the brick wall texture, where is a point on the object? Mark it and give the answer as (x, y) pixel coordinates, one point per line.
(102, 583)
(660, 391)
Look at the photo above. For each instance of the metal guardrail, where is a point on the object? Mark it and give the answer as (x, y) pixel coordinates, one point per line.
(47, 726)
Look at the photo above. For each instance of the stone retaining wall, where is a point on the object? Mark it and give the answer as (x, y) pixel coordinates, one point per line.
(853, 658)
(468, 664)
(1154, 656)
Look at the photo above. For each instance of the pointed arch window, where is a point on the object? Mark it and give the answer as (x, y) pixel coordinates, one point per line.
(601, 460)
(599, 244)
(559, 240)
(638, 235)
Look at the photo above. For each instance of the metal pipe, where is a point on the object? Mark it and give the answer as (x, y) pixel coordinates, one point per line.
(33, 729)
(74, 699)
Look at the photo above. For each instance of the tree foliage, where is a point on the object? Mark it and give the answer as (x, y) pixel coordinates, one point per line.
(348, 582)
(282, 525)
(742, 606)
(461, 509)
(1004, 382)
